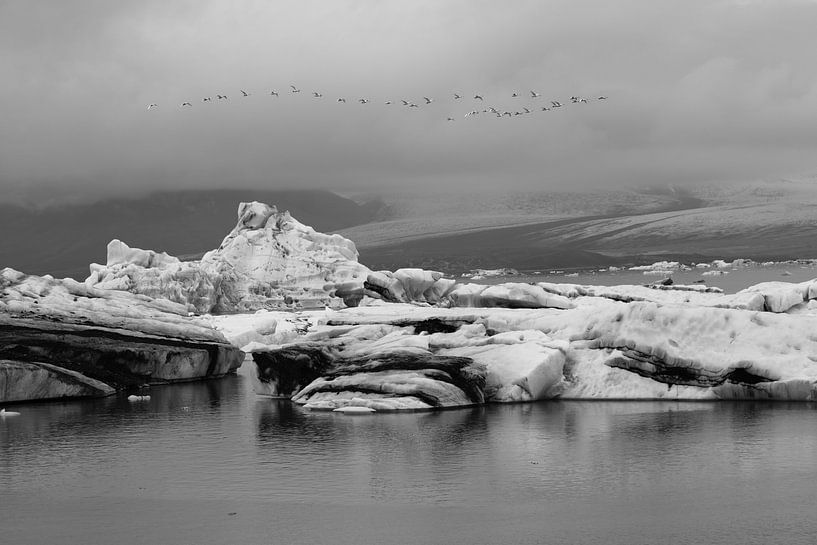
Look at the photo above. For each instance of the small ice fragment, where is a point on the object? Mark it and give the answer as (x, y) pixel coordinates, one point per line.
(353, 410)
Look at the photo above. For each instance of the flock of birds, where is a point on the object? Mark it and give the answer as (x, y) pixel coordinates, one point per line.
(476, 99)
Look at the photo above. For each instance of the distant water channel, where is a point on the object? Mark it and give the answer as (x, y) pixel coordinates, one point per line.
(210, 463)
(729, 279)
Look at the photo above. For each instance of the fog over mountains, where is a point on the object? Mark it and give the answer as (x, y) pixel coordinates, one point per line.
(444, 230)
(63, 240)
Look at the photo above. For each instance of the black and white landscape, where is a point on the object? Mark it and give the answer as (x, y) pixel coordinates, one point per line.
(439, 272)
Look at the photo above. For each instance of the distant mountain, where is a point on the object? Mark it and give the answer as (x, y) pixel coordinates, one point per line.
(63, 240)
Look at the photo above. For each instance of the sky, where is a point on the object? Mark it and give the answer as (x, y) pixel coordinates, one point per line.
(697, 91)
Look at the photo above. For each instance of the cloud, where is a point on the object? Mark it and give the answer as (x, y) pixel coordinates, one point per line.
(697, 90)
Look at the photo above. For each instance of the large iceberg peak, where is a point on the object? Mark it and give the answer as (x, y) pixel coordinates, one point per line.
(254, 215)
(270, 260)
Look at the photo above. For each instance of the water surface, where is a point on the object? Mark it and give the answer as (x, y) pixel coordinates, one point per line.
(212, 463)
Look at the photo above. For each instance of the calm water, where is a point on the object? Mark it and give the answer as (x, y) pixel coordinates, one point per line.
(211, 463)
(731, 281)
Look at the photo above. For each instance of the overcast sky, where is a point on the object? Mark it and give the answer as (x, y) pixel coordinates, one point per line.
(715, 90)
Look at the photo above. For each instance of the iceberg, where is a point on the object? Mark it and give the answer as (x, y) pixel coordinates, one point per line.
(329, 333)
(386, 356)
(269, 260)
(62, 338)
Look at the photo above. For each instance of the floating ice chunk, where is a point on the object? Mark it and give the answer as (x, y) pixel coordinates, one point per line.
(135, 398)
(354, 410)
(519, 369)
(780, 296)
(662, 266)
(4, 413)
(506, 295)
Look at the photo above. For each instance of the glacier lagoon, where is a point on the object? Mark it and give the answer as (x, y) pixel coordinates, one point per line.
(211, 462)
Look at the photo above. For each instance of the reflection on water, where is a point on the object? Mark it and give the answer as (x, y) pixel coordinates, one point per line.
(175, 468)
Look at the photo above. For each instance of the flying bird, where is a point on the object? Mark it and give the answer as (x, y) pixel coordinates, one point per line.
(388, 102)
(602, 98)
(450, 119)
(342, 100)
(477, 97)
(515, 94)
(317, 94)
(555, 104)
(456, 96)
(428, 100)
(273, 93)
(185, 104)
(245, 93)
(363, 100)
(405, 102)
(295, 89)
(207, 99)
(534, 94)
(154, 105)
(222, 97)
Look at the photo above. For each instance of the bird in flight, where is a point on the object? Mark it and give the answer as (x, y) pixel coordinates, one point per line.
(405, 102)
(273, 93)
(295, 89)
(428, 100)
(222, 97)
(317, 95)
(388, 102)
(245, 93)
(363, 100)
(342, 100)
(456, 96)
(477, 97)
(151, 106)
(534, 94)
(602, 98)
(185, 104)
(515, 94)
(555, 104)
(207, 99)
(450, 119)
